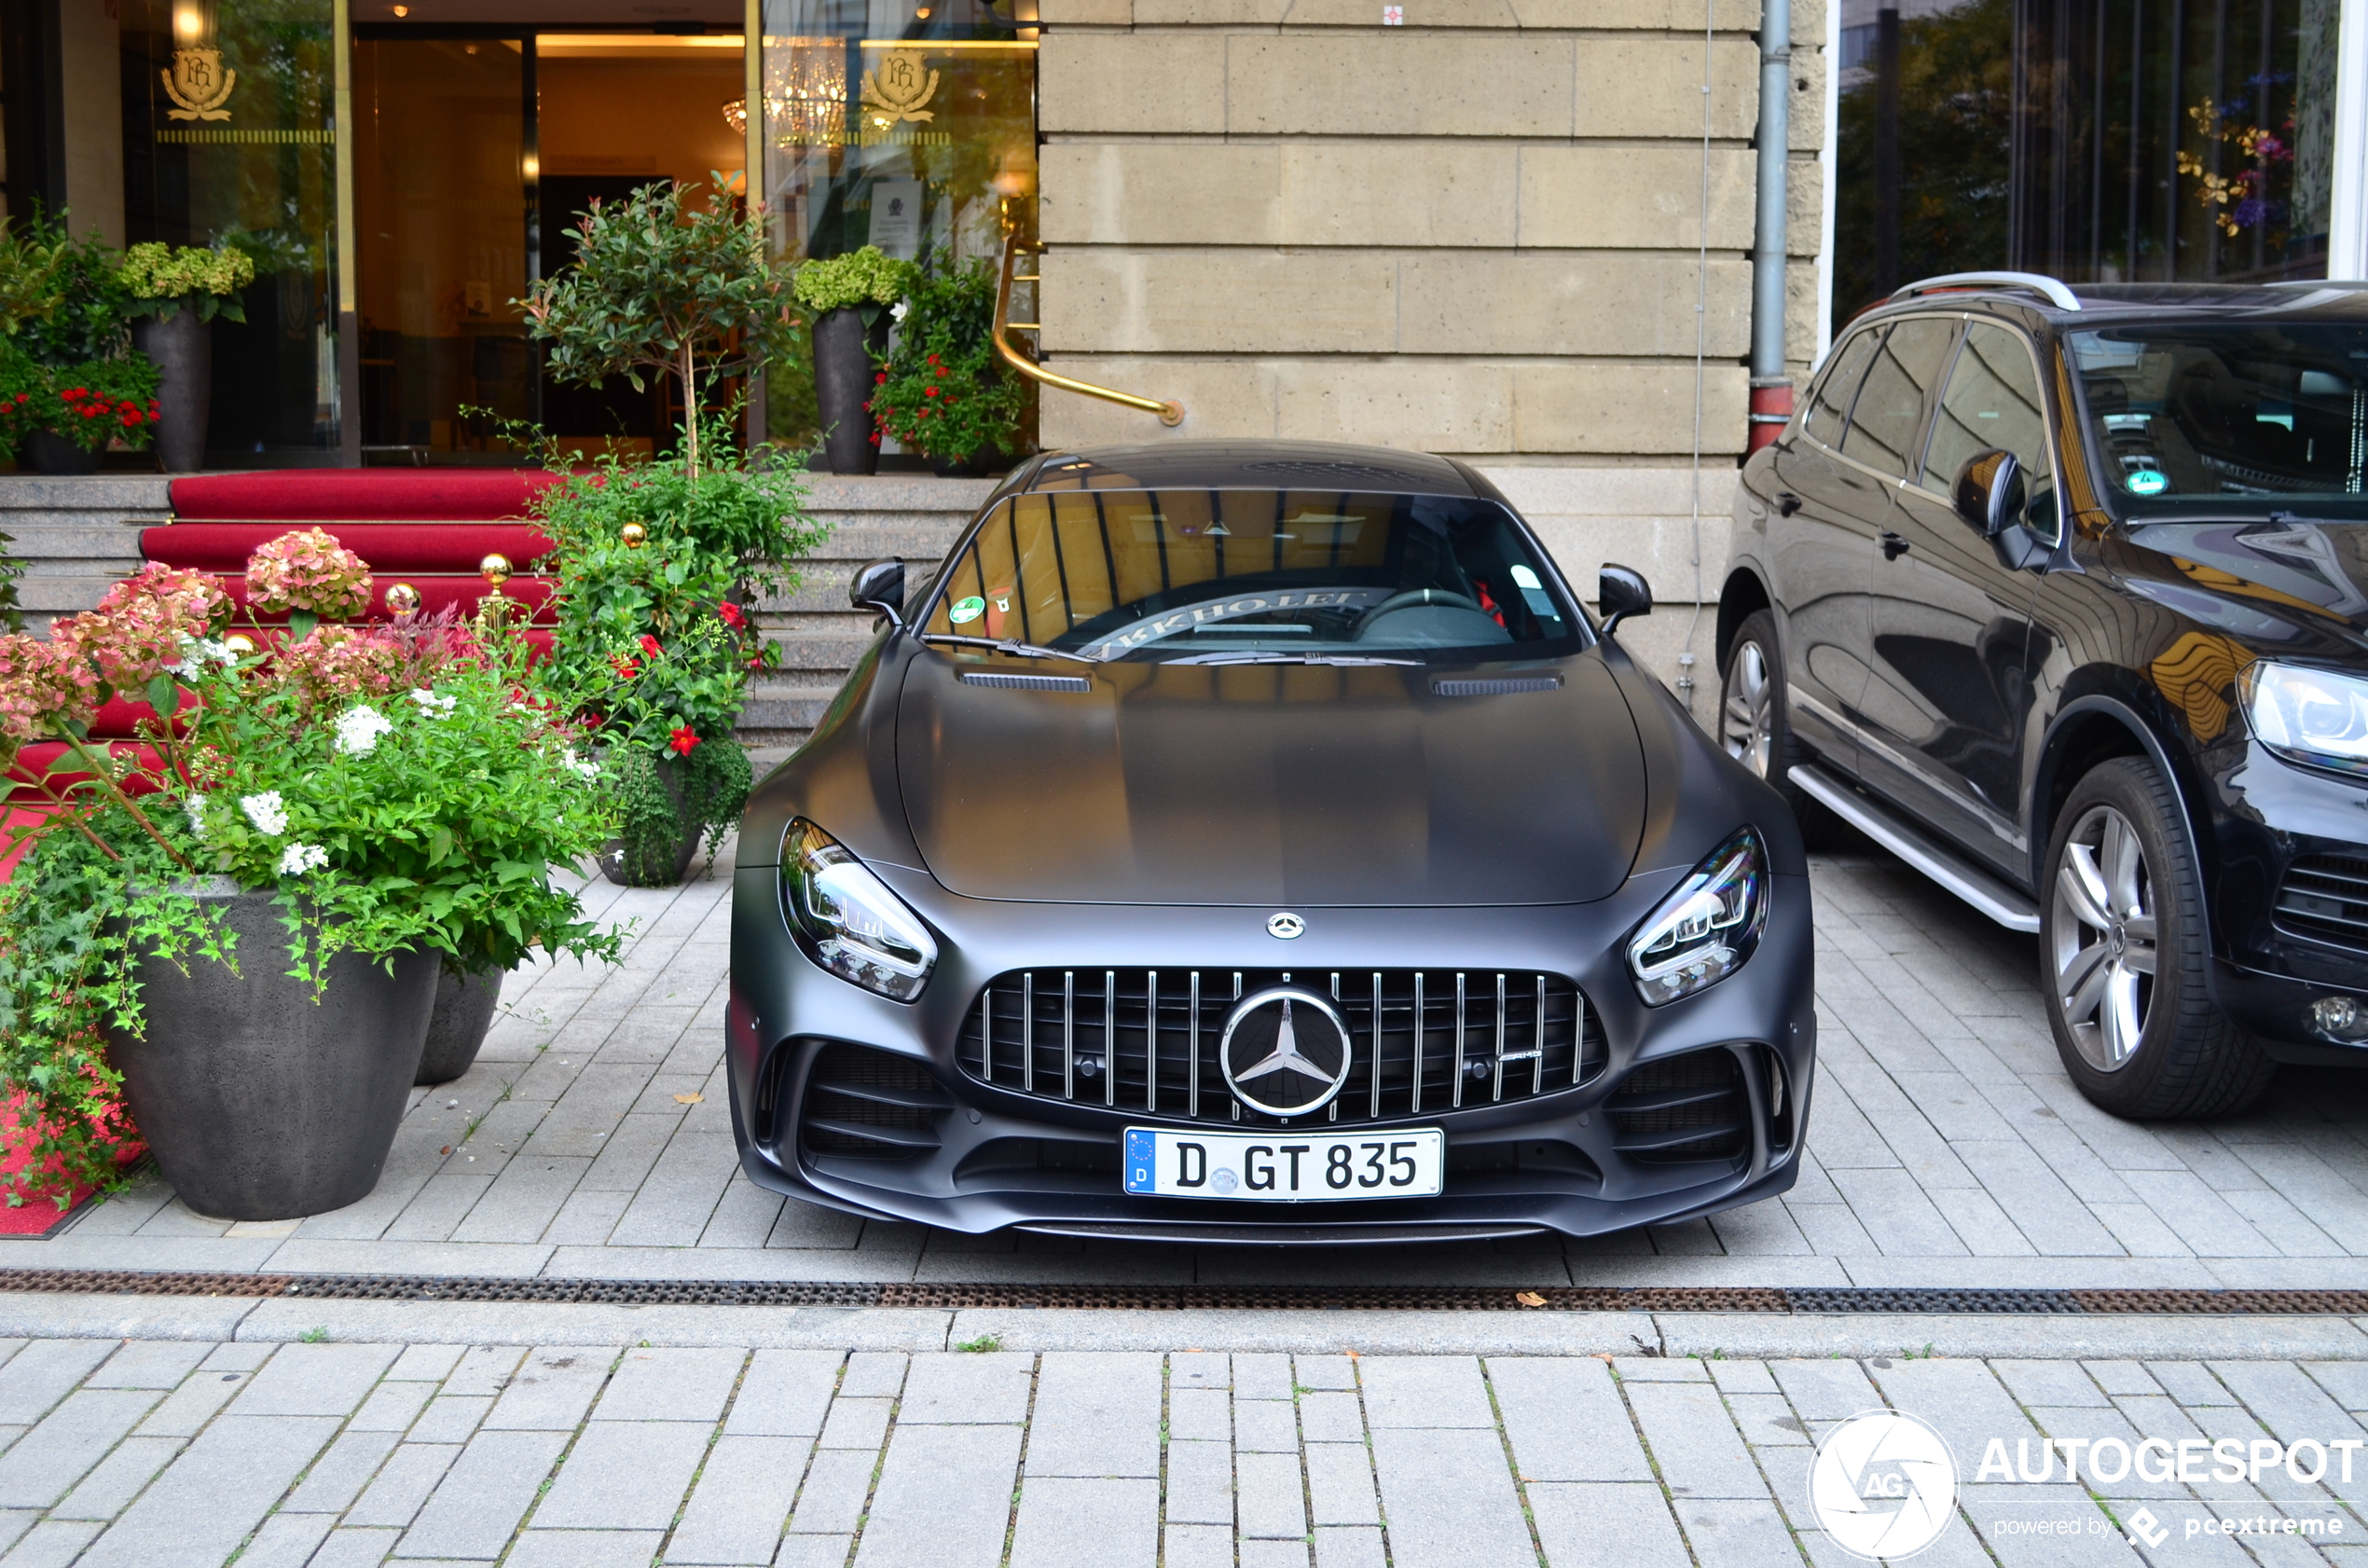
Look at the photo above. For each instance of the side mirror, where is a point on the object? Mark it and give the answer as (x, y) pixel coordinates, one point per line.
(1620, 592)
(880, 585)
(1988, 492)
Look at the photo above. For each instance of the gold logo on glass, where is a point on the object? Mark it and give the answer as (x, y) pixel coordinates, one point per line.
(201, 84)
(898, 87)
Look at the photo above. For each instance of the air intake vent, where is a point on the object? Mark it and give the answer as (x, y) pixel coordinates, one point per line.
(871, 1105)
(1028, 682)
(1496, 686)
(2326, 897)
(1686, 1110)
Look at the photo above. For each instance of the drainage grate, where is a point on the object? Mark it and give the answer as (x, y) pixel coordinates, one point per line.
(1189, 1298)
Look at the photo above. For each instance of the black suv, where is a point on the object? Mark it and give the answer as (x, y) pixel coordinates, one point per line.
(2061, 593)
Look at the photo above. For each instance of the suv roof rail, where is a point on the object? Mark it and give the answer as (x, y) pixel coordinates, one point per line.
(2050, 289)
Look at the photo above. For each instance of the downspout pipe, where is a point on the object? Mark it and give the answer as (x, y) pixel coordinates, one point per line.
(1771, 399)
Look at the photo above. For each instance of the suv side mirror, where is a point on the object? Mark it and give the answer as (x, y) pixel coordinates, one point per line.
(1620, 592)
(1988, 492)
(880, 585)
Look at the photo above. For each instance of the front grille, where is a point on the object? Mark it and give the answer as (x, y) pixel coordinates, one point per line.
(871, 1104)
(1484, 1036)
(1682, 1110)
(2326, 897)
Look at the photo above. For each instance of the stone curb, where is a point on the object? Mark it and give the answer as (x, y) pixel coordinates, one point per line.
(1752, 1336)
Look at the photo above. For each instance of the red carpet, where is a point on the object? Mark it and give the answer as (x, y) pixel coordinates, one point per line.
(446, 546)
(411, 495)
(37, 1216)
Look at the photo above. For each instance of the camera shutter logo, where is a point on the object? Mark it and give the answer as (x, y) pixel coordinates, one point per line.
(1883, 1485)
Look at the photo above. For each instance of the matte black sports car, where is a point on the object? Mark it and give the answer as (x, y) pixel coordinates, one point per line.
(1257, 842)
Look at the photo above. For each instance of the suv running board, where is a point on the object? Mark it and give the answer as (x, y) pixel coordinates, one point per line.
(2006, 905)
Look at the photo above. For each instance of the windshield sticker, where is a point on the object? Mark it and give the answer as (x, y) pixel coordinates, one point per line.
(2147, 481)
(1175, 622)
(965, 611)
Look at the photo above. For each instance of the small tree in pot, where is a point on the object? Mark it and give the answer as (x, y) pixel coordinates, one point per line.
(177, 294)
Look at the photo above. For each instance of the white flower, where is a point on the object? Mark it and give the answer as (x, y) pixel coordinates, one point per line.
(896, 312)
(432, 705)
(297, 858)
(359, 728)
(198, 651)
(195, 806)
(578, 766)
(267, 811)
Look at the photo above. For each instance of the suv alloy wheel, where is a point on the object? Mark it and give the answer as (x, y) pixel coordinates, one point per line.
(1751, 727)
(2124, 952)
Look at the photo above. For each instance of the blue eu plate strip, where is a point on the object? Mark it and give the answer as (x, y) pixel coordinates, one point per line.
(1139, 1156)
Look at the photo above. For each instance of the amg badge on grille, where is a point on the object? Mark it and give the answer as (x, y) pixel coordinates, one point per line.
(1285, 1050)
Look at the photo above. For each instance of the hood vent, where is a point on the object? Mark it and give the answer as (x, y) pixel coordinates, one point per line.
(1028, 682)
(1495, 686)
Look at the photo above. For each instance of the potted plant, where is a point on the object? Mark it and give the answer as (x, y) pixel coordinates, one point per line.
(657, 569)
(943, 391)
(175, 294)
(665, 286)
(71, 384)
(233, 930)
(851, 297)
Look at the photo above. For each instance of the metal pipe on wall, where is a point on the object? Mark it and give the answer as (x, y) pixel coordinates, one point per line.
(1771, 390)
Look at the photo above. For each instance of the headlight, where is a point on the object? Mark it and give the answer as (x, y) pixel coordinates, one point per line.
(2312, 716)
(848, 921)
(1702, 932)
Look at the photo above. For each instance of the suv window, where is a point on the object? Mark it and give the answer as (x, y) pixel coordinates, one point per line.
(1829, 404)
(1884, 422)
(1993, 401)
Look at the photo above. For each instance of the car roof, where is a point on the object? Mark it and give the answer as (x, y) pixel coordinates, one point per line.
(2069, 306)
(1245, 464)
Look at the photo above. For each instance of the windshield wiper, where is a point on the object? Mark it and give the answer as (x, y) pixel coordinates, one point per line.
(1006, 646)
(1277, 657)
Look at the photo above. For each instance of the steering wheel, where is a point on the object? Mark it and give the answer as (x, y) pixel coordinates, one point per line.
(1412, 597)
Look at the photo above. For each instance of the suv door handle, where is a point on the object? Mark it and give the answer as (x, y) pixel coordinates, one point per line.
(1786, 503)
(1894, 545)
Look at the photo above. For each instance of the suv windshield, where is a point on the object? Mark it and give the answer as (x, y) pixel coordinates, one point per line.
(2185, 416)
(1231, 574)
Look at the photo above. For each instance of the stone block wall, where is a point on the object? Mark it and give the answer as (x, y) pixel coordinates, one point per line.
(1477, 233)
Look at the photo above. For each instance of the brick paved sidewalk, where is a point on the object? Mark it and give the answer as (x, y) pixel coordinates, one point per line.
(166, 1454)
(1946, 1149)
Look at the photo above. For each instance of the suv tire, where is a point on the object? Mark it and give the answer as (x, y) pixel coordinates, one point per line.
(2124, 950)
(1752, 728)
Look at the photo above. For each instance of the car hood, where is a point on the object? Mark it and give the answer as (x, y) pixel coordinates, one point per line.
(2273, 577)
(1282, 785)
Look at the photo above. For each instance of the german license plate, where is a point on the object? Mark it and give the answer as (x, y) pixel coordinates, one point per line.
(1285, 1167)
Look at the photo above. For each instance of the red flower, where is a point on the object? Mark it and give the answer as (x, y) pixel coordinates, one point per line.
(681, 740)
(881, 380)
(649, 646)
(929, 391)
(626, 666)
(732, 616)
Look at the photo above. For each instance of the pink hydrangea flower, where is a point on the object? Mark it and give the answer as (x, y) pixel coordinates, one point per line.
(336, 664)
(140, 626)
(306, 570)
(39, 688)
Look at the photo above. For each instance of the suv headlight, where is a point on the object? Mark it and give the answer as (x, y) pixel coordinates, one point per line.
(2313, 716)
(847, 920)
(1702, 932)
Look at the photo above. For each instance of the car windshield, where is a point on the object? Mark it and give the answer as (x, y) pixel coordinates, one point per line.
(2184, 416)
(1240, 575)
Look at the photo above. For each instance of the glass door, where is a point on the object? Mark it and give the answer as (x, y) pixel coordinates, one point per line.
(442, 209)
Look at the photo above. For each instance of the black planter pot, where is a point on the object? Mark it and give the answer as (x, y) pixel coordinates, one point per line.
(845, 354)
(655, 865)
(978, 465)
(182, 349)
(47, 452)
(258, 1102)
(464, 1012)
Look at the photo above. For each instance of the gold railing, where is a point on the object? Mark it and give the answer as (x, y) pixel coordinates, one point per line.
(1170, 412)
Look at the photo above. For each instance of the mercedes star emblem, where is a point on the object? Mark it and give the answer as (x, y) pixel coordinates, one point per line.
(1285, 1050)
(1285, 925)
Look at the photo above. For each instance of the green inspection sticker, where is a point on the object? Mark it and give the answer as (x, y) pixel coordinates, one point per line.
(2147, 481)
(967, 609)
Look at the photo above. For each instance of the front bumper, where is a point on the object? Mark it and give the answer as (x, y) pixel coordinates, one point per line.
(2280, 821)
(1005, 1158)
